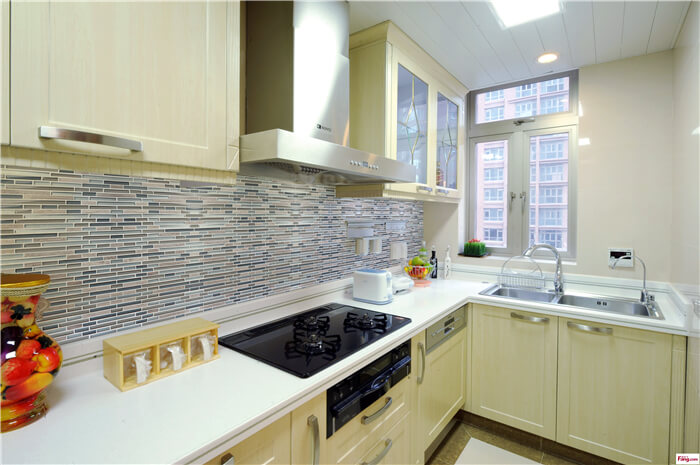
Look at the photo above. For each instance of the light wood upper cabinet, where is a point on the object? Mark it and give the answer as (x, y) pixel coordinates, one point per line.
(271, 445)
(614, 391)
(163, 74)
(399, 109)
(514, 361)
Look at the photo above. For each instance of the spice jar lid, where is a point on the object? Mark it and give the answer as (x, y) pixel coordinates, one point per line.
(15, 281)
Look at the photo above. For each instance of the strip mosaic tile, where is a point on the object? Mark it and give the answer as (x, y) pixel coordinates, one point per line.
(127, 251)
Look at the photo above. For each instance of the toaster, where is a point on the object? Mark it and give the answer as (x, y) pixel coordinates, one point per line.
(372, 286)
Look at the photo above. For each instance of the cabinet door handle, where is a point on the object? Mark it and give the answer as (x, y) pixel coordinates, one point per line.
(367, 419)
(442, 191)
(590, 329)
(51, 132)
(424, 188)
(227, 459)
(421, 349)
(382, 454)
(312, 421)
(533, 319)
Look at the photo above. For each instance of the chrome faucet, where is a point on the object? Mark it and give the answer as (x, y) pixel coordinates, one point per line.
(558, 281)
(646, 298)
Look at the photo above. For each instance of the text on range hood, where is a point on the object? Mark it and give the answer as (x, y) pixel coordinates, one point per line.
(297, 98)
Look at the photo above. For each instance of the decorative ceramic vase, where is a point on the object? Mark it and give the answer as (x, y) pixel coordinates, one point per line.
(30, 358)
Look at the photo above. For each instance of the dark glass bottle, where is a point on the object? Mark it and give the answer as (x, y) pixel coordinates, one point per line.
(434, 262)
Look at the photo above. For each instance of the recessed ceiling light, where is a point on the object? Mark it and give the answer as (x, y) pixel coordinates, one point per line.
(514, 12)
(548, 57)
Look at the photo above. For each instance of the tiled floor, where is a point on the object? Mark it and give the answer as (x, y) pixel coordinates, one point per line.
(457, 439)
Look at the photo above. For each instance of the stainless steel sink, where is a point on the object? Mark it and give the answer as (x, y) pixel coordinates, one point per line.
(601, 303)
(522, 294)
(607, 304)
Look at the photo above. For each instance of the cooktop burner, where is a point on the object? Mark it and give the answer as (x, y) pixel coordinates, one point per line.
(306, 343)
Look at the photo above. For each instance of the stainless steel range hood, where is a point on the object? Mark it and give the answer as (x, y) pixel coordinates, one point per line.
(297, 98)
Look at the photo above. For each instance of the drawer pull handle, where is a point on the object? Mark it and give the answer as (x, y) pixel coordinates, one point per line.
(382, 454)
(590, 329)
(532, 319)
(227, 459)
(51, 132)
(425, 188)
(312, 421)
(421, 349)
(367, 419)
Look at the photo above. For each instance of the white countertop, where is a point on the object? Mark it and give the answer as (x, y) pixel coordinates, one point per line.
(201, 412)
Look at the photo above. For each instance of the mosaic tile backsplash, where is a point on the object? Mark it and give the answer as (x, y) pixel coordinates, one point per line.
(128, 251)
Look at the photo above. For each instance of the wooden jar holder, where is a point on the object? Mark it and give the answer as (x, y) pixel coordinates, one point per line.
(120, 351)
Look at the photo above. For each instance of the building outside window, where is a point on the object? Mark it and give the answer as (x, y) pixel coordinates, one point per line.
(493, 214)
(493, 195)
(526, 108)
(494, 96)
(494, 114)
(493, 234)
(526, 90)
(493, 174)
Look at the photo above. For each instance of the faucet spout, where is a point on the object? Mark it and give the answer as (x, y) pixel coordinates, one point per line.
(558, 280)
(646, 297)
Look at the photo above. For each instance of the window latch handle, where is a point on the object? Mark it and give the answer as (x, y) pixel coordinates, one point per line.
(523, 197)
(510, 202)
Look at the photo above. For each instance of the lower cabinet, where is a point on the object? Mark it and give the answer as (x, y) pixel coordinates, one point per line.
(440, 376)
(372, 435)
(614, 391)
(514, 364)
(309, 432)
(271, 445)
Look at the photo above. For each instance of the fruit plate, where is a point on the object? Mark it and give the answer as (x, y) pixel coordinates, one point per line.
(419, 273)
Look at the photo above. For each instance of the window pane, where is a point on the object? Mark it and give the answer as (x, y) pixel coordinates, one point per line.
(491, 181)
(549, 189)
(538, 98)
(412, 116)
(447, 118)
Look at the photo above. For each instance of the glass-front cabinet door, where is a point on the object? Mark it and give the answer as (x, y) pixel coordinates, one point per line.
(412, 122)
(446, 146)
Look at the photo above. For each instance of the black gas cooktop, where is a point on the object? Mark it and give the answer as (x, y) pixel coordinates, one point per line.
(306, 343)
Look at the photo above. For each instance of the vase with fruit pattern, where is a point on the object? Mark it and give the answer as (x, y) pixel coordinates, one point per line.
(30, 358)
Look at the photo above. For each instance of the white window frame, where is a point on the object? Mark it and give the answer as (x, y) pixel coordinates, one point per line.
(548, 120)
(518, 166)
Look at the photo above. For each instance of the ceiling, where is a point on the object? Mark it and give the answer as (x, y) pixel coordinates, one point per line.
(467, 39)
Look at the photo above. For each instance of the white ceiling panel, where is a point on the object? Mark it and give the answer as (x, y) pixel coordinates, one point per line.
(667, 23)
(467, 39)
(578, 20)
(608, 18)
(636, 30)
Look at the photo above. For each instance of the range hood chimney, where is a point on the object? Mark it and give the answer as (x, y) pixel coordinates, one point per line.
(297, 98)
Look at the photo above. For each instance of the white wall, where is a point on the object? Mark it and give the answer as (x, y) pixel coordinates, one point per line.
(624, 176)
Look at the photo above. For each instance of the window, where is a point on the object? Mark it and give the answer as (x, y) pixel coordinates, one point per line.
(493, 195)
(493, 214)
(493, 174)
(554, 104)
(493, 114)
(493, 235)
(526, 108)
(553, 85)
(551, 172)
(523, 176)
(494, 96)
(493, 153)
(551, 194)
(526, 90)
(529, 98)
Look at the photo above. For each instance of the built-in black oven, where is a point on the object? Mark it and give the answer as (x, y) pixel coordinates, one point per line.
(358, 391)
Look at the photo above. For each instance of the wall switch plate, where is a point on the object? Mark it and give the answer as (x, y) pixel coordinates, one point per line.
(617, 252)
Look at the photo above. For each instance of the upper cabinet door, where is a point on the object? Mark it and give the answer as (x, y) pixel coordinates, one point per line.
(447, 147)
(153, 73)
(412, 122)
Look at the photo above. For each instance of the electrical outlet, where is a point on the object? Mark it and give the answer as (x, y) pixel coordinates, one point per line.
(617, 252)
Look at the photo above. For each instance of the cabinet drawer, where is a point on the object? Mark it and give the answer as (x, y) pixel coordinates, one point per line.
(355, 439)
(392, 447)
(271, 445)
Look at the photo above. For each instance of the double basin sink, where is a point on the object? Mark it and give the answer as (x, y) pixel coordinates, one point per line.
(600, 303)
